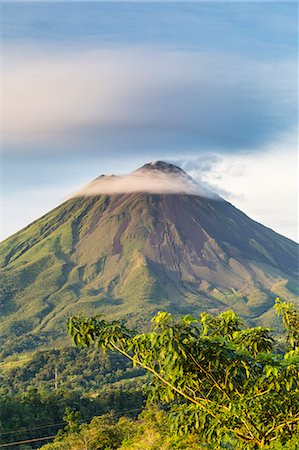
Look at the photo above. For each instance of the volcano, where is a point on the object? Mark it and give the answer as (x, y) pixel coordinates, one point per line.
(126, 247)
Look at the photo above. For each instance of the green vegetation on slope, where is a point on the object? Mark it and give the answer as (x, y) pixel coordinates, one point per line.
(151, 431)
(88, 382)
(221, 381)
(91, 383)
(45, 276)
(129, 256)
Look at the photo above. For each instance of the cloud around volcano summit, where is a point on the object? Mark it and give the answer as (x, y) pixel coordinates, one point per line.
(153, 181)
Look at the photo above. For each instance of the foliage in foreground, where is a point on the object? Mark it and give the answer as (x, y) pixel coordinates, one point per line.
(220, 381)
(149, 432)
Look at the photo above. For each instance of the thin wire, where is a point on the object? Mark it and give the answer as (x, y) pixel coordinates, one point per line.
(51, 437)
(34, 428)
(61, 423)
(28, 440)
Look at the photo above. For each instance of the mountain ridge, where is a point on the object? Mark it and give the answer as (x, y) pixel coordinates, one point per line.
(128, 255)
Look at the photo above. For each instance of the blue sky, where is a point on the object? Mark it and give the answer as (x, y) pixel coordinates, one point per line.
(97, 87)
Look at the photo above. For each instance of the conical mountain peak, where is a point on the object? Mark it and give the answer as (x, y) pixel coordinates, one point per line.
(128, 245)
(162, 166)
(158, 177)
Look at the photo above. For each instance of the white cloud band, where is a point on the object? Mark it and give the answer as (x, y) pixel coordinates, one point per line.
(213, 100)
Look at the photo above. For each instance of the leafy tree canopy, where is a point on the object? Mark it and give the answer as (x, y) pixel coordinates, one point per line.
(219, 379)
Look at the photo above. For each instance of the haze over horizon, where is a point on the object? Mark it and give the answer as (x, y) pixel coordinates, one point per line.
(104, 87)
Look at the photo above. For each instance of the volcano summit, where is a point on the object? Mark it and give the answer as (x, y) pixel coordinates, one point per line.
(153, 178)
(128, 246)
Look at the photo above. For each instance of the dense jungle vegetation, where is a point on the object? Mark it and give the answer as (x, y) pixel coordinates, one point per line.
(88, 381)
(208, 383)
(228, 385)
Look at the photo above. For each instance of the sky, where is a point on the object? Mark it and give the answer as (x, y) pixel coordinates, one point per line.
(91, 88)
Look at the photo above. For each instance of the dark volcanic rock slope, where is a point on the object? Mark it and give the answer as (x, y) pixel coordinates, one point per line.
(129, 255)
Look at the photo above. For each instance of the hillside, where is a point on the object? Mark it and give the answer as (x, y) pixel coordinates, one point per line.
(128, 255)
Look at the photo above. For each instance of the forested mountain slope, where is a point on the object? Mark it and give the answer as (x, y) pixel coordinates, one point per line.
(128, 255)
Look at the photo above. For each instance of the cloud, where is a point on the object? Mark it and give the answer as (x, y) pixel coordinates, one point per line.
(141, 97)
(153, 181)
(262, 184)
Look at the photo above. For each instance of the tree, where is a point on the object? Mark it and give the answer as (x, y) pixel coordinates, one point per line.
(219, 379)
(72, 418)
(290, 319)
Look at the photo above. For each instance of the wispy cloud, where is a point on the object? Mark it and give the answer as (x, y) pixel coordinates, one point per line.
(262, 184)
(124, 98)
(153, 182)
